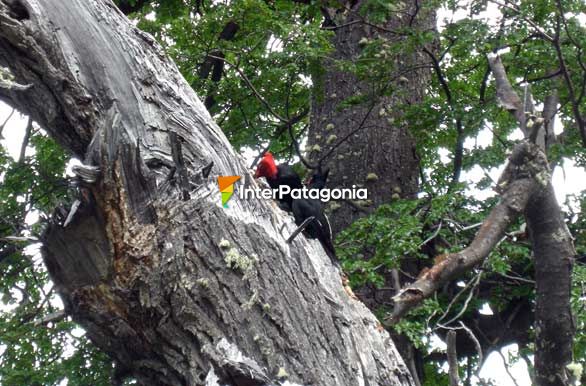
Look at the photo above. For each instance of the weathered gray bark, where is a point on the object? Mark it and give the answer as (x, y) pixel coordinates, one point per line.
(146, 273)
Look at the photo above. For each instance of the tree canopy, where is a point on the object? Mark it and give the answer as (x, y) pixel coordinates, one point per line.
(257, 65)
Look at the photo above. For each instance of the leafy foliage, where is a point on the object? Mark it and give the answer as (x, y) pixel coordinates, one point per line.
(271, 67)
(31, 354)
(274, 48)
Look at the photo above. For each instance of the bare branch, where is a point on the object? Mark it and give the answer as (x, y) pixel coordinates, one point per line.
(472, 285)
(507, 96)
(477, 345)
(516, 278)
(25, 140)
(506, 366)
(549, 112)
(5, 122)
(251, 86)
(51, 318)
(522, 109)
(433, 236)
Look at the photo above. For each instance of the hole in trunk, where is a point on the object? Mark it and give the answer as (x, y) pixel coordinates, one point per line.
(17, 10)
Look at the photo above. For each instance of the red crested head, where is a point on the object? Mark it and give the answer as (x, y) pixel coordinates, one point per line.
(266, 167)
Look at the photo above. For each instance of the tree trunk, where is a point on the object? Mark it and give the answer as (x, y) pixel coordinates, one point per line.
(554, 253)
(178, 292)
(379, 154)
(364, 145)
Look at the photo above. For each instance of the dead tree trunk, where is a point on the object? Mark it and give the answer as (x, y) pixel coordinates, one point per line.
(178, 292)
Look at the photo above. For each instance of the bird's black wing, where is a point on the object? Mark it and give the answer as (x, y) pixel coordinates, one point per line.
(287, 176)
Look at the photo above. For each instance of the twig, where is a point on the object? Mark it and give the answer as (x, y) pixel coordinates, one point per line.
(506, 365)
(461, 228)
(516, 278)
(433, 236)
(477, 345)
(467, 228)
(251, 86)
(299, 229)
(335, 27)
(543, 77)
(280, 130)
(52, 317)
(5, 122)
(471, 284)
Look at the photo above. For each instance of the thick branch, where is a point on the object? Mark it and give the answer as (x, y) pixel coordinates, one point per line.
(256, 93)
(523, 109)
(553, 252)
(518, 183)
(550, 106)
(506, 95)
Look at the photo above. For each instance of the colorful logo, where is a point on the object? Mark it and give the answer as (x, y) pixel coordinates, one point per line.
(226, 184)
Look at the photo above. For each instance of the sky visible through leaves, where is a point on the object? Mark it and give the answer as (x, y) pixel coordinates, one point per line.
(568, 180)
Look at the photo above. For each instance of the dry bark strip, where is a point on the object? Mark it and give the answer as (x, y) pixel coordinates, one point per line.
(177, 292)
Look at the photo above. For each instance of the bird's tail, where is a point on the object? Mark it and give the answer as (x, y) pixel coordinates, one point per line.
(330, 250)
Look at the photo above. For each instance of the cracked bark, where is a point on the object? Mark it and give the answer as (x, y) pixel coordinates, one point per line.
(142, 270)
